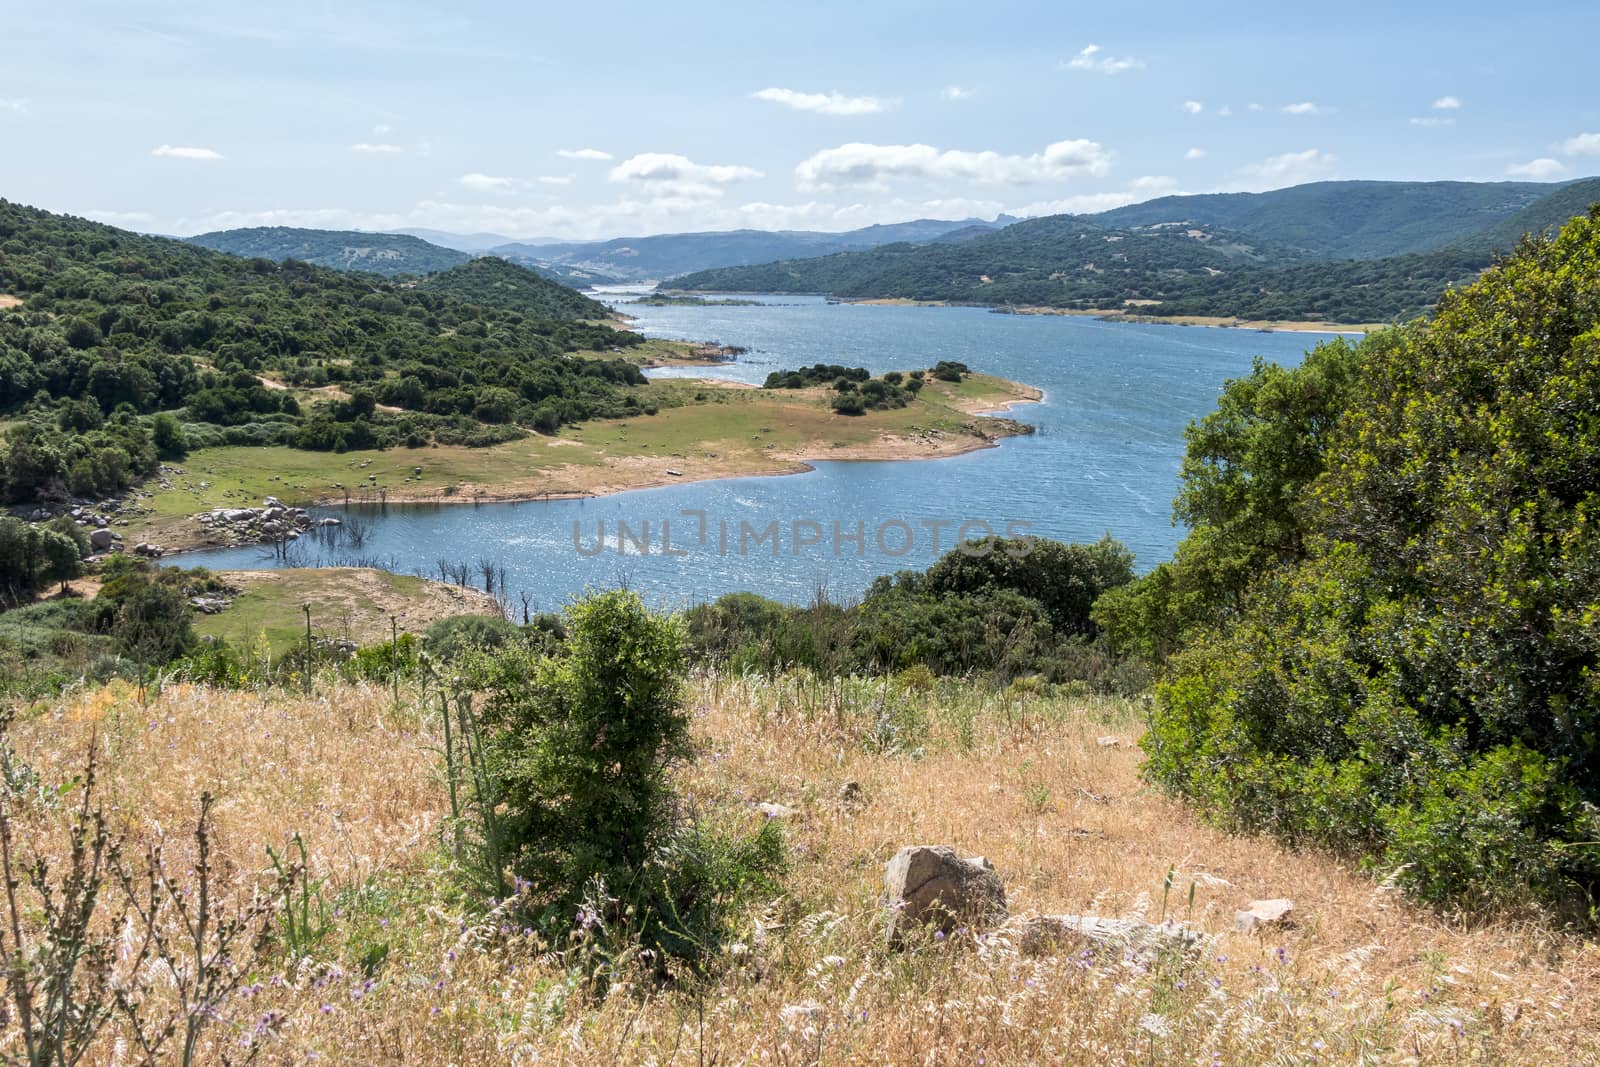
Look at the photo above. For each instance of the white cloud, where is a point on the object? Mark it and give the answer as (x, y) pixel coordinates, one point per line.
(377, 149)
(1256, 107)
(1290, 168)
(583, 153)
(485, 183)
(1305, 107)
(834, 103)
(956, 92)
(555, 179)
(668, 175)
(168, 151)
(1447, 103)
(1538, 170)
(1433, 120)
(1225, 111)
(872, 164)
(1090, 59)
(1584, 144)
(1195, 153)
(120, 218)
(381, 129)
(1193, 107)
(1140, 189)
(13, 104)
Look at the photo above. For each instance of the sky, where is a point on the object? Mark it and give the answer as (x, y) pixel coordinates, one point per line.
(541, 120)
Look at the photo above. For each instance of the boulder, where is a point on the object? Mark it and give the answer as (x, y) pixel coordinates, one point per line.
(774, 810)
(1264, 915)
(101, 540)
(239, 514)
(1038, 935)
(932, 885)
(272, 502)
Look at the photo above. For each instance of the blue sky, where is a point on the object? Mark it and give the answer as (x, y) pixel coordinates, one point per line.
(594, 120)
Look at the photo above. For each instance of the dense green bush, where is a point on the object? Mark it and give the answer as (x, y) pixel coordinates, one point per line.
(578, 751)
(1410, 674)
(582, 745)
(1000, 608)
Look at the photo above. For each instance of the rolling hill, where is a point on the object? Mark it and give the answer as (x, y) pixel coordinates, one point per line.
(379, 253)
(1345, 220)
(1333, 251)
(494, 283)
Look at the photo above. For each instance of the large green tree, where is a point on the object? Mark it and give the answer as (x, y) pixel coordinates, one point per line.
(1411, 674)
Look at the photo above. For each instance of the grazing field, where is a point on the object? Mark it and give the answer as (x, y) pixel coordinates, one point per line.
(349, 603)
(411, 970)
(702, 429)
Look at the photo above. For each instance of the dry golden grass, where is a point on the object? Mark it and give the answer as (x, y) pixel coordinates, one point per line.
(1022, 779)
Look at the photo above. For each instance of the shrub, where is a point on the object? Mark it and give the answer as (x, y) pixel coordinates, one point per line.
(1389, 584)
(450, 638)
(581, 747)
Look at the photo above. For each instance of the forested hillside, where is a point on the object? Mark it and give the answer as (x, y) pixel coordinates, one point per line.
(378, 253)
(1347, 252)
(116, 349)
(1061, 260)
(493, 282)
(1346, 220)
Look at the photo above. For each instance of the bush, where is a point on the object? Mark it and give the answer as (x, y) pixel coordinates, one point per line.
(1391, 591)
(449, 639)
(581, 746)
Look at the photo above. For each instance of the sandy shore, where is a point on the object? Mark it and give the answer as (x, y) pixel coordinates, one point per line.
(1118, 315)
(624, 475)
(759, 434)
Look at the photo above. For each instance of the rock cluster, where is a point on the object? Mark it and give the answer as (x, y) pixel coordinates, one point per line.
(935, 887)
(272, 521)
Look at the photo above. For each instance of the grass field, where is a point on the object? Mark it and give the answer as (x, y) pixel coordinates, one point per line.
(352, 603)
(702, 430)
(409, 970)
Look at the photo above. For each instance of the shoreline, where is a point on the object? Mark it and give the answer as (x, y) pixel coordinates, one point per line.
(888, 449)
(988, 425)
(1222, 322)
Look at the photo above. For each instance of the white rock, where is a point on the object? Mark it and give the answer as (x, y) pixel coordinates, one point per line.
(1263, 915)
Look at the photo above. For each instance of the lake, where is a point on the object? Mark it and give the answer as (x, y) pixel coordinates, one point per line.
(1104, 458)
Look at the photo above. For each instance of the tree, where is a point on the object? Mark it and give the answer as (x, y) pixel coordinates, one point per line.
(61, 558)
(166, 433)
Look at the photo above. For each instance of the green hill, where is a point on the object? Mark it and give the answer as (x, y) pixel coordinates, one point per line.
(492, 282)
(1312, 252)
(1346, 220)
(378, 253)
(1061, 261)
(127, 349)
(1551, 211)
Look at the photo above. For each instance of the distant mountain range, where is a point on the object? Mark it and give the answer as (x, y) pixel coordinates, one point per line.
(576, 263)
(380, 253)
(667, 255)
(1330, 251)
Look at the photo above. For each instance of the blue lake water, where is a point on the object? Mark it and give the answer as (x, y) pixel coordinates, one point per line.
(1104, 458)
